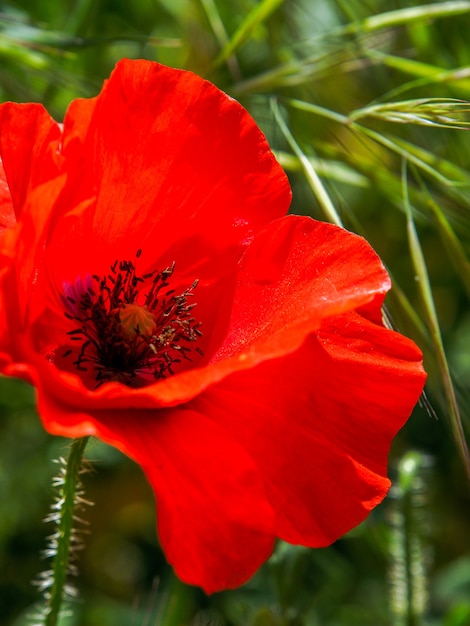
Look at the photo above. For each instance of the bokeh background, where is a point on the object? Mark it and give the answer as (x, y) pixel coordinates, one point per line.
(364, 102)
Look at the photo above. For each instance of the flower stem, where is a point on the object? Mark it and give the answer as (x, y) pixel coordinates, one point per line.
(64, 537)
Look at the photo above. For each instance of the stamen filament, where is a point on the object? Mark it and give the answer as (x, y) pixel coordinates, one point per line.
(125, 335)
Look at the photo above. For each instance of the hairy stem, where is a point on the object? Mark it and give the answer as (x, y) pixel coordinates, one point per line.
(66, 506)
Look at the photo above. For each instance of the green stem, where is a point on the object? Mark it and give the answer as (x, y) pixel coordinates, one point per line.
(67, 505)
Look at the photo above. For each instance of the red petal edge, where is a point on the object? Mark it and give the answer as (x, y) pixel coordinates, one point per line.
(215, 523)
(319, 423)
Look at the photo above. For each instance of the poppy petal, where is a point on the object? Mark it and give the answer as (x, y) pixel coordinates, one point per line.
(194, 196)
(29, 140)
(319, 423)
(215, 523)
(296, 273)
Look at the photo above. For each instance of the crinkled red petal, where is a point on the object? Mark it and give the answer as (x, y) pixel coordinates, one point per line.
(215, 523)
(319, 423)
(165, 162)
(296, 273)
(29, 141)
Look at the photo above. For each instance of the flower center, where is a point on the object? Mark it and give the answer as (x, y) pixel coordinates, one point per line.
(131, 328)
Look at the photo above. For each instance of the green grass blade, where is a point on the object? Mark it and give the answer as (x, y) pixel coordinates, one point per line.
(419, 157)
(79, 16)
(333, 170)
(297, 72)
(221, 35)
(317, 110)
(424, 73)
(448, 174)
(257, 16)
(424, 288)
(311, 175)
(409, 15)
(437, 112)
(451, 242)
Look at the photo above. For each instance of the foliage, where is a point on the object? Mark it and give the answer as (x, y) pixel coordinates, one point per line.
(366, 106)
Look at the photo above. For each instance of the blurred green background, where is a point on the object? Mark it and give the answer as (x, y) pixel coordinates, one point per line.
(364, 103)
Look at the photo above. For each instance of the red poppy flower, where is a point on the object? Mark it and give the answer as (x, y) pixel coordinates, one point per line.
(157, 296)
